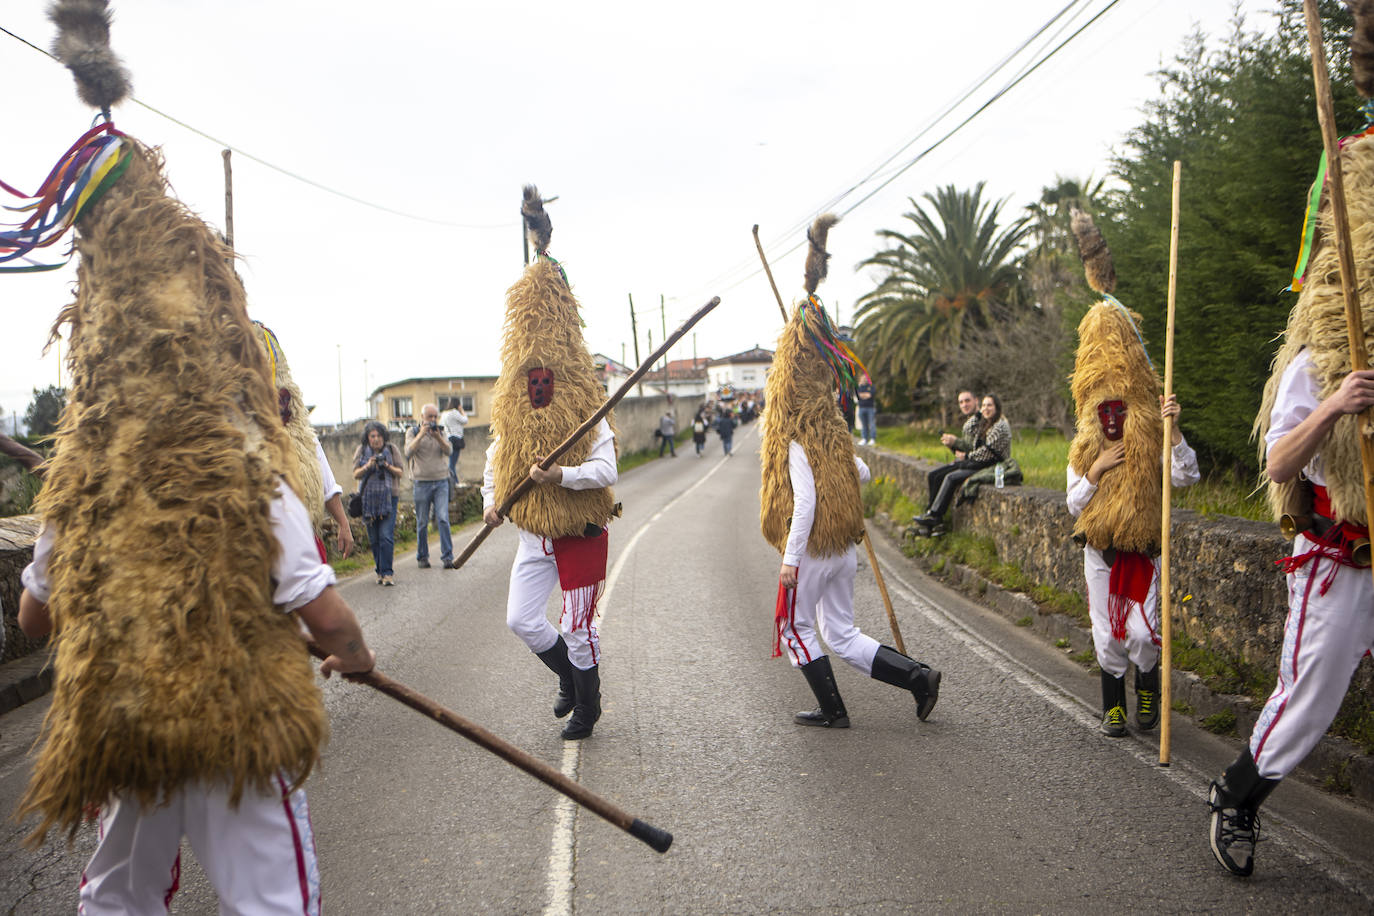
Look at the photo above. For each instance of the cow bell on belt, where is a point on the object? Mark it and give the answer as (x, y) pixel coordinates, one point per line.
(540, 385)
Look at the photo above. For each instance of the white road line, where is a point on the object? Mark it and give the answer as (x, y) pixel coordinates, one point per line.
(558, 880)
(1311, 850)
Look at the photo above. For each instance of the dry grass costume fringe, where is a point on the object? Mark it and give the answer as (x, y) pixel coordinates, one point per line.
(800, 394)
(172, 664)
(1317, 324)
(1111, 365)
(295, 416)
(543, 331)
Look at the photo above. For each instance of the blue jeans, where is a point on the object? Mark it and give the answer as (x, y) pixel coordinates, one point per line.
(432, 493)
(868, 422)
(381, 534)
(726, 442)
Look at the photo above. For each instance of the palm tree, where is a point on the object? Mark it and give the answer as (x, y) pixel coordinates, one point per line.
(954, 271)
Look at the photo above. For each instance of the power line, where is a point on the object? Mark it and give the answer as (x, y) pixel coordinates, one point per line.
(284, 171)
(932, 147)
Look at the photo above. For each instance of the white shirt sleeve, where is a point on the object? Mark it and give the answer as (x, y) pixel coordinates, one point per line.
(331, 486)
(599, 470)
(489, 476)
(803, 504)
(865, 475)
(298, 576)
(1299, 394)
(1183, 466)
(1080, 491)
(35, 575)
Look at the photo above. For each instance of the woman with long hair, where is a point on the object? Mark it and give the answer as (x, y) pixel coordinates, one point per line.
(988, 436)
(377, 465)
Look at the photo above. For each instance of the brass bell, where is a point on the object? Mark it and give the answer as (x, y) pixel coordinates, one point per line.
(1359, 552)
(1292, 525)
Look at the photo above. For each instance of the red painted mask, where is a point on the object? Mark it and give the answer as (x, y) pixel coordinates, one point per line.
(1111, 414)
(284, 404)
(540, 384)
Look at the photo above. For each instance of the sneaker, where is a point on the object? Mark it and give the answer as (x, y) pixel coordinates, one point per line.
(423, 564)
(1234, 833)
(388, 581)
(379, 579)
(1146, 709)
(1114, 722)
(448, 564)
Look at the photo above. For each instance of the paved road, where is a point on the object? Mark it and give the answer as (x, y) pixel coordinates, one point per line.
(1007, 800)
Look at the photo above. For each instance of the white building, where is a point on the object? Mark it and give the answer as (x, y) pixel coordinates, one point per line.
(744, 373)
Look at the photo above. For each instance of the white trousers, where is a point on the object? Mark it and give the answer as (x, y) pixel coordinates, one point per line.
(1324, 639)
(260, 857)
(825, 595)
(1142, 625)
(533, 576)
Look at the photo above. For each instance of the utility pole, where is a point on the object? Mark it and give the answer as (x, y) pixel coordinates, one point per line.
(228, 202)
(340, 351)
(367, 395)
(663, 319)
(634, 333)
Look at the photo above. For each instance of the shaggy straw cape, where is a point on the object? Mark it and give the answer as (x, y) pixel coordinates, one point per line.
(172, 665)
(543, 330)
(298, 428)
(800, 394)
(1317, 324)
(1111, 365)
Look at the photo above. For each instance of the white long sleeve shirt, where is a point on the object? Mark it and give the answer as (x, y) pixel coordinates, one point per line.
(804, 501)
(1299, 394)
(331, 486)
(599, 470)
(1184, 473)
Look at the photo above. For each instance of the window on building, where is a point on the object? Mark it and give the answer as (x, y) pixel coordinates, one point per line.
(402, 407)
(447, 402)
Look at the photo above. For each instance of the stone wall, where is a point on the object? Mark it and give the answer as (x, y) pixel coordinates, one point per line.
(1227, 565)
(17, 535)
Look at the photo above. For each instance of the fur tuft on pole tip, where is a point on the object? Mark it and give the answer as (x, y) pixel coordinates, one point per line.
(1097, 257)
(817, 257)
(537, 222)
(1362, 46)
(83, 45)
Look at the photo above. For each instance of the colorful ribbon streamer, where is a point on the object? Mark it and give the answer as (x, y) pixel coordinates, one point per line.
(846, 366)
(1314, 199)
(79, 179)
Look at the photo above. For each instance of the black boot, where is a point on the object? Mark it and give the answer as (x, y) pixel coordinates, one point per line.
(892, 667)
(1113, 705)
(1147, 697)
(821, 679)
(587, 709)
(1235, 824)
(556, 659)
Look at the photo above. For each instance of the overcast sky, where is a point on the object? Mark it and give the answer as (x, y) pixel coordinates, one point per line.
(666, 131)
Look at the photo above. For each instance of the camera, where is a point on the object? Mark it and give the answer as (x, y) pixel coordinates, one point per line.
(431, 425)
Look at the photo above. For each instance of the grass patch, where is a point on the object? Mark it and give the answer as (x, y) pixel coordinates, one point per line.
(1062, 642)
(1183, 706)
(1025, 621)
(1356, 722)
(1087, 658)
(1220, 723)
(1220, 673)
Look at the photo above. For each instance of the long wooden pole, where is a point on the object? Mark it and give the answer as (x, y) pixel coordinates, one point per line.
(228, 201)
(1165, 613)
(655, 837)
(1354, 324)
(528, 483)
(769, 271)
(868, 545)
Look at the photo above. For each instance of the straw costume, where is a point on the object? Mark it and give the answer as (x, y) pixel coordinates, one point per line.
(184, 700)
(1118, 502)
(547, 387)
(810, 509)
(1330, 623)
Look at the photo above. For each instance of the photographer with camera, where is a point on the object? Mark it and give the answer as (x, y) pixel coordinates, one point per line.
(377, 468)
(427, 449)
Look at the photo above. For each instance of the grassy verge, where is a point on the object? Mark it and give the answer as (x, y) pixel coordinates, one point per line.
(1044, 457)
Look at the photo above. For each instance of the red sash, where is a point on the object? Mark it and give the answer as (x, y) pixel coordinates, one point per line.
(1127, 588)
(581, 565)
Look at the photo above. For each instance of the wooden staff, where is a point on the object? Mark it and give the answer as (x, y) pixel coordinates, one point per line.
(655, 837)
(872, 557)
(1354, 324)
(228, 201)
(769, 271)
(528, 483)
(1165, 616)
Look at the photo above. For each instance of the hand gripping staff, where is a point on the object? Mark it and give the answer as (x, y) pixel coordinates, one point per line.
(868, 545)
(527, 484)
(656, 838)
